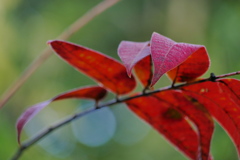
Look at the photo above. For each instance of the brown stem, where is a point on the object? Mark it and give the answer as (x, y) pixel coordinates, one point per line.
(45, 132)
(78, 24)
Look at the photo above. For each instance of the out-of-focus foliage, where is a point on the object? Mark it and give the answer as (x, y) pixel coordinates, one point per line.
(26, 25)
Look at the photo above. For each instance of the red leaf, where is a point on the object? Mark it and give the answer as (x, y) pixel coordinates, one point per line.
(195, 66)
(233, 88)
(219, 101)
(167, 54)
(132, 52)
(102, 68)
(196, 112)
(93, 92)
(168, 121)
(143, 71)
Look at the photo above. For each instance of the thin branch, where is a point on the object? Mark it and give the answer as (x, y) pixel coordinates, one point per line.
(228, 75)
(78, 24)
(45, 132)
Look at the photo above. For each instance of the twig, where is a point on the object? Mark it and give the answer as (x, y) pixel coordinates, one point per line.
(227, 75)
(78, 24)
(45, 132)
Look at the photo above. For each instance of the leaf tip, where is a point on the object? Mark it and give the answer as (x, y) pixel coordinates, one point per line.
(50, 41)
(129, 72)
(154, 33)
(18, 140)
(19, 127)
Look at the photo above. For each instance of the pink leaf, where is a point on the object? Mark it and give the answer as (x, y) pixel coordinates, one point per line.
(93, 92)
(132, 52)
(192, 68)
(168, 54)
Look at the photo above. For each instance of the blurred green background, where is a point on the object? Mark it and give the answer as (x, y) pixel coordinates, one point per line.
(112, 133)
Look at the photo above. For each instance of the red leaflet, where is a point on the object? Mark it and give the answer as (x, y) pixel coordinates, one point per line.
(168, 121)
(195, 66)
(220, 102)
(93, 92)
(196, 112)
(233, 88)
(167, 54)
(102, 68)
(143, 70)
(132, 52)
